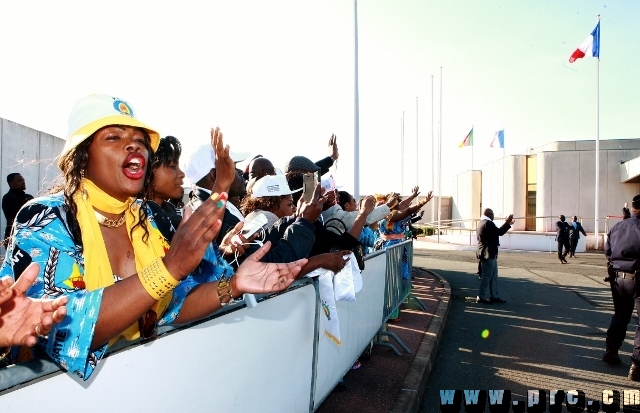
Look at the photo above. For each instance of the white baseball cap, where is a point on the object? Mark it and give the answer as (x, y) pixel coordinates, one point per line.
(329, 184)
(271, 185)
(94, 112)
(202, 160)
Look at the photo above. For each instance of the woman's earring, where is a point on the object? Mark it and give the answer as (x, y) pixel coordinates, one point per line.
(84, 193)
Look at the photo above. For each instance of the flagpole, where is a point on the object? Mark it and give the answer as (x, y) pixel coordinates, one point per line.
(471, 147)
(356, 111)
(417, 172)
(504, 206)
(597, 210)
(440, 159)
(433, 159)
(402, 153)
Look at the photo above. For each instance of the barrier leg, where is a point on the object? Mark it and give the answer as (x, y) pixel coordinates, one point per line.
(417, 300)
(379, 341)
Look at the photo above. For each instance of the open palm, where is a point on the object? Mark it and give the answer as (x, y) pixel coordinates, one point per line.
(258, 277)
(19, 314)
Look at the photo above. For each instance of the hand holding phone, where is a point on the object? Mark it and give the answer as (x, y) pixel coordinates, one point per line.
(309, 183)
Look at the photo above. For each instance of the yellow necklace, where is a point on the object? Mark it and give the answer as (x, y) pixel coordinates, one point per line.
(109, 223)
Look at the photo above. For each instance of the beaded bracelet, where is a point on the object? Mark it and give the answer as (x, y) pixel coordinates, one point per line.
(225, 283)
(156, 280)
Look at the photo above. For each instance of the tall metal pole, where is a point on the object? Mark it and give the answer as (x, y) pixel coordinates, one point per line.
(356, 111)
(417, 172)
(402, 153)
(440, 160)
(433, 158)
(597, 209)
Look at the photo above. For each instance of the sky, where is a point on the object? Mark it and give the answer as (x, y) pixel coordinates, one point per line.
(277, 76)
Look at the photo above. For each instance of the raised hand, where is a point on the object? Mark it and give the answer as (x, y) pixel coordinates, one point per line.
(311, 210)
(415, 191)
(195, 232)
(333, 145)
(509, 219)
(429, 197)
(258, 277)
(367, 205)
(225, 167)
(23, 318)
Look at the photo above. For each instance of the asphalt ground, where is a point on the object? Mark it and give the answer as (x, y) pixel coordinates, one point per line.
(388, 382)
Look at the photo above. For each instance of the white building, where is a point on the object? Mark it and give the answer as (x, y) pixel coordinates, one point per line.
(32, 154)
(554, 179)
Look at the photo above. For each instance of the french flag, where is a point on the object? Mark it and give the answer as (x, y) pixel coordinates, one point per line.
(590, 46)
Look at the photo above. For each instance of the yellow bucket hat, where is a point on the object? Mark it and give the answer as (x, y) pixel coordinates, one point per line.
(97, 111)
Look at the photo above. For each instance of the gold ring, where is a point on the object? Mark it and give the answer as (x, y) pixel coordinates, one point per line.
(37, 331)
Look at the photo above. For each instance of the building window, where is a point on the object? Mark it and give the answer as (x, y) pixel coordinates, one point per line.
(532, 180)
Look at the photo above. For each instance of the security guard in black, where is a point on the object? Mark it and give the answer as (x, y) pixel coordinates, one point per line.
(622, 250)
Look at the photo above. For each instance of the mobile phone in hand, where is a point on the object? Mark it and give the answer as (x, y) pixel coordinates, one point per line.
(309, 183)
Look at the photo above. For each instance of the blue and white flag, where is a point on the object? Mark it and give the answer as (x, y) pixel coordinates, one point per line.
(498, 139)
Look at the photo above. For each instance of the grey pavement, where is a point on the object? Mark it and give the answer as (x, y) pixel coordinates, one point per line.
(549, 335)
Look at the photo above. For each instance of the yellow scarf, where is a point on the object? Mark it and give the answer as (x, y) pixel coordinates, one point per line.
(97, 269)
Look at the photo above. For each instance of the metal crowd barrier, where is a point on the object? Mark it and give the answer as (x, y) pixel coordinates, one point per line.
(397, 291)
(277, 349)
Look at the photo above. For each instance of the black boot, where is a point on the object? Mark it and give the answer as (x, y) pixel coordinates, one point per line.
(634, 372)
(611, 357)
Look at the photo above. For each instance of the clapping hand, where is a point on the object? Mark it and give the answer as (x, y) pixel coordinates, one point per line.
(22, 318)
(257, 277)
(509, 219)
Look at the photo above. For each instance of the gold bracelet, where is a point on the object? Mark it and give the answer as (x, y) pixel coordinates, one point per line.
(5, 353)
(156, 280)
(225, 283)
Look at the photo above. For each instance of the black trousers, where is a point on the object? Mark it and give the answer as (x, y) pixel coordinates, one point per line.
(563, 243)
(624, 292)
(574, 244)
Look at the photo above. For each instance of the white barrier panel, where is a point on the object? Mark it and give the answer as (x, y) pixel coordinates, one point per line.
(252, 360)
(359, 320)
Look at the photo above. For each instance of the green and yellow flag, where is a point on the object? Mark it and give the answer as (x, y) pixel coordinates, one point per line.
(468, 140)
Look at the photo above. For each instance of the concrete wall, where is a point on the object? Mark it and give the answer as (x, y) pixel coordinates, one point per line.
(31, 153)
(467, 197)
(568, 179)
(504, 188)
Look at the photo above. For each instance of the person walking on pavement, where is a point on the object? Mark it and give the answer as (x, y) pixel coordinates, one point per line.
(488, 242)
(562, 236)
(626, 214)
(574, 235)
(622, 250)
(13, 200)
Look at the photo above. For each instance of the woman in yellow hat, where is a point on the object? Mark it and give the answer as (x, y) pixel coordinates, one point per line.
(100, 247)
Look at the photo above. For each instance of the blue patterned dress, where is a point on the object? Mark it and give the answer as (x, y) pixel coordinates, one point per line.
(392, 228)
(42, 235)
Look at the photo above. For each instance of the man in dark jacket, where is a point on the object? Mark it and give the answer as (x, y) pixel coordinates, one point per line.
(488, 242)
(622, 250)
(574, 235)
(13, 200)
(562, 236)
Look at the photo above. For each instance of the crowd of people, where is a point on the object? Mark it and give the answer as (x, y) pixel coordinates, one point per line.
(111, 253)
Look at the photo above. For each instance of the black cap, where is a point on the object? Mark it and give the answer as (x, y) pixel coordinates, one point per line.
(636, 202)
(301, 163)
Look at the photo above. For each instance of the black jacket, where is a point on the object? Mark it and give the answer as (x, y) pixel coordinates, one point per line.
(562, 231)
(622, 247)
(489, 239)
